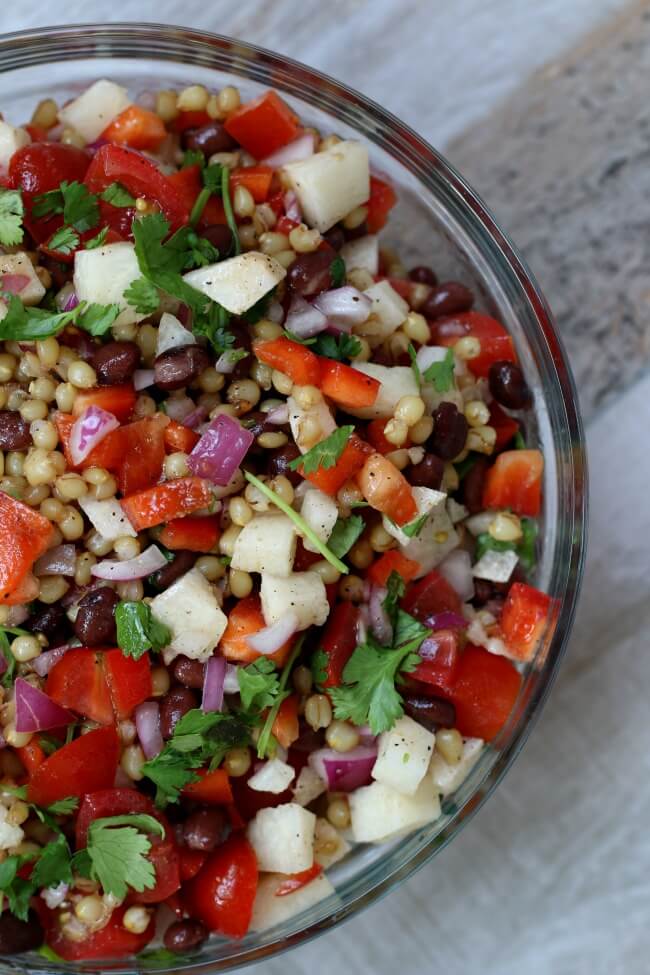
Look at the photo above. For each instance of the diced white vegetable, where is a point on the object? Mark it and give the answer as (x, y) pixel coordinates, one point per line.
(234, 485)
(10, 834)
(309, 786)
(478, 524)
(95, 109)
(404, 755)
(436, 539)
(172, 334)
(388, 307)
(269, 910)
(283, 838)
(266, 544)
(330, 184)
(238, 282)
(396, 381)
(446, 778)
(427, 500)
(479, 636)
(495, 566)
(303, 593)
(320, 512)
(107, 518)
(274, 776)
(320, 419)
(19, 263)
(103, 274)
(362, 253)
(329, 845)
(191, 611)
(11, 140)
(378, 812)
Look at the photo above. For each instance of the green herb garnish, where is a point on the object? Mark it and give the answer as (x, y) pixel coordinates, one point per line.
(325, 454)
(138, 630)
(12, 211)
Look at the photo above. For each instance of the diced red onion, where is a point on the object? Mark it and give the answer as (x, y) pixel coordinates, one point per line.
(147, 723)
(292, 207)
(279, 415)
(44, 663)
(344, 307)
(231, 681)
(344, 771)
(457, 570)
(272, 637)
(366, 736)
(59, 560)
(142, 378)
(196, 417)
(139, 567)
(178, 407)
(71, 302)
(89, 430)
(275, 312)
(379, 622)
(13, 284)
(446, 621)
(226, 363)
(304, 319)
(300, 148)
(213, 684)
(220, 450)
(35, 711)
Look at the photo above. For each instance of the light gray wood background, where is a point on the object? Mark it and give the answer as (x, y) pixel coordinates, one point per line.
(551, 878)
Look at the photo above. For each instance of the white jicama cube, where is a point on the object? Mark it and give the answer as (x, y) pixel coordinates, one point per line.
(107, 517)
(436, 540)
(362, 253)
(309, 786)
(330, 184)
(379, 813)
(302, 593)
(191, 611)
(457, 512)
(404, 755)
(274, 776)
(388, 307)
(95, 109)
(321, 513)
(329, 845)
(172, 334)
(20, 264)
(10, 834)
(310, 425)
(238, 282)
(269, 909)
(102, 275)
(266, 544)
(234, 486)
(447, 778)
(427, 500)
(396, 381)
(495, 566)
(283, 838)
(11, 140)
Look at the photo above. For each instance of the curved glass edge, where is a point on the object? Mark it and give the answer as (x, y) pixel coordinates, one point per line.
(438, 177)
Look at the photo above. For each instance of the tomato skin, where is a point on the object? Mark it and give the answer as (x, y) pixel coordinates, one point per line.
(339, 640)
(136, 127)
(347, 386)
(85, 765)
(223, 892)
(195, 534)
(496, 343)
(392, 561)
(285, 727)
(484, 692)
(24, 536)
(145, 509)
(40, 167)
(112, 941)
(263, 125)
(430, 595)
(191, 862)
(178, 437)
(118, 400)
(213, 788)
(386, 489)
(524, 616)
(515, 481)
(382, 200)
(128, 680)
(354, 456)
(246, 619)
(77, 682)
(441, 660)
(301, 365)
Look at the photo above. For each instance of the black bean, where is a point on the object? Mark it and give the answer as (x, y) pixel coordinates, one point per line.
(52, 622)
(14, 431)
(17, 936)
(220, 236)
(428, 473)
(508, 386)
(447, 298)
(183, 935)
(189, 672)
(257, 423)
(83, 343)
(485, 591)
(204, 829)
(335, 237)
(95, 622)
(208, 139)
(116, 362)
(431, 712)
(173, 706)
(449, 431)
(472, 486)
(310, 273)
(182, 562)
(176, 368)
(279, 460)
(423, 275)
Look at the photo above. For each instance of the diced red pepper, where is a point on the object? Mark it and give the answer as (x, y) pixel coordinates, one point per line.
(191, 862)
(295, 881)
(31, 755)
(143, 453)
(25, 535)
(212, 788)
(348, 387)
(188, 184)
(525, 614)
(515, 481)
(484, 693)
(136, 127)
(78, 682)
(430, 595)
(285, 225)
(301, 365)
(223, 892)
(441, 660)
(108, 453)
(178, 437)
(496, 343)
(199, 534)
(190, 119)
(118, 400)
(386, 489)
(88, 763)
(338, 641)
(166, 501)
(27, 590)
(392, 561)
(129, 681)
(285, 727)
(256, 179)
(39, 168)
(244, 620)
(505, 426)
(382, 200)
(355, 453)
(263, 125)
(111, 941)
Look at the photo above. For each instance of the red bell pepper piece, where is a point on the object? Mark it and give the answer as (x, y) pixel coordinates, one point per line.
(77, 682)
(505, 426)
(85, 765)
(190, 862)
(484, 693)
(24, 536)
(263, 125)
(109, 802)
(223, 892)
(136, 127)
(347, 386)
(294, 881)
(430, 595)
(524, 616)
(392, 561)
(301, 365)
(108, 453)
(382, 200)
(338, 641)
(199, 534)
(244, 620)
(178, 437)
(285, 727)
(212, 788)
(190, 119)
(27, 590)
(285, 225)
(441, 660)
(166, 501)
(111, 941)
(515, 481)
(188, 184)
(41, 167)
(496, 343)
(31, 755)
(118, 400)
(143, 453)
(129, 681)
(256, 179)
(355, 453)
(386, 489)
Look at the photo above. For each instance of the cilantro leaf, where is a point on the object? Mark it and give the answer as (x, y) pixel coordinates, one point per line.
(171, 772)
(26, 324)
(53, 865)
(396, 588)
(12, 211)
(258, 684)
(336, 347)
(63, 807)
(441, 374)
(264, 740)
(192, 157)
(142, 295)
(97, 319)
(325, 454)
(345, 533)
(116, 853)
(524, 547)
(47, 204)
(201, 252)
(337, 271)
(138, 630)
(161, 263)
(118, 196)
(408, 630)
(98, 240)
(413, 528)
(216, 181)
(214, 325)
(78, 205)
(64, 241)
(520, 443)
(414, 364)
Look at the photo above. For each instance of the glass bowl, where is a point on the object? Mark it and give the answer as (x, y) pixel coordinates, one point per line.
(439, 221)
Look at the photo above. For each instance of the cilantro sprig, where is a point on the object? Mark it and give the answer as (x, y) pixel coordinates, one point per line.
(259, 684)
(216, 182)
(264, 740)
(29, 324)
(12, 211)
(80, 207)
(525, 547)
(441, 373)
(116, 853)
(138, 630)
(326, 453)
(345, 533)
(142, 295)
(336, 347)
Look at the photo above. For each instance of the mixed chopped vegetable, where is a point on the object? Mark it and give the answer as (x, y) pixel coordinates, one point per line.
(268, 508)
